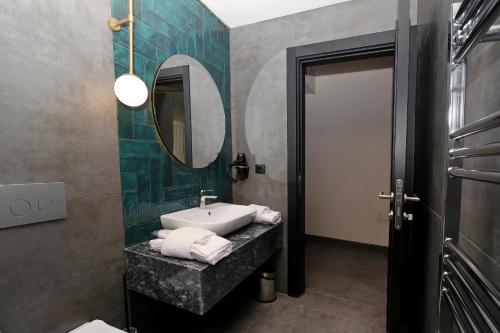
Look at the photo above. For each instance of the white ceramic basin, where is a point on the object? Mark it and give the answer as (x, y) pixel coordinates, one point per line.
(221, 218)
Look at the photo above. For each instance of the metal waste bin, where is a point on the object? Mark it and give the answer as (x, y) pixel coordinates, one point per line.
(266, 292)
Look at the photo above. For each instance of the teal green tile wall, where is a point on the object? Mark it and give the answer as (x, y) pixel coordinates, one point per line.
(153, 183)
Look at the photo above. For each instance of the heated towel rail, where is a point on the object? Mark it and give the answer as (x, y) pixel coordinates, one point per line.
(472, 300)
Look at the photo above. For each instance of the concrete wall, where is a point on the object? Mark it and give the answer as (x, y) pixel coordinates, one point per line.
(58, 123)
(348, 150)
(258, 88)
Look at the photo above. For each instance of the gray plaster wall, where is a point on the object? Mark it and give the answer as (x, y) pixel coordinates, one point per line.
(258, 89)
(58, 123)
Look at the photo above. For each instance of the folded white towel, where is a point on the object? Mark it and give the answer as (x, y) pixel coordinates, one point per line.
(212, 251)
(96, 326)
(266, 215)
(207, 247)
(161, 233)
(178, 242)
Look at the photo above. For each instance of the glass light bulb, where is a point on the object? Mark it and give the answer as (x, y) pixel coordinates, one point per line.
(131, 90)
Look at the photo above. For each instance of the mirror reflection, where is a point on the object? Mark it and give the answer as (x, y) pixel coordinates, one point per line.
(188, 111)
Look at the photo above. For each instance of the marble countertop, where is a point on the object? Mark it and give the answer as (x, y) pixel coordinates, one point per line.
(197, 286)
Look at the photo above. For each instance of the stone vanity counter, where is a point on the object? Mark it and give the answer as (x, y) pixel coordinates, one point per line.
(195, 286)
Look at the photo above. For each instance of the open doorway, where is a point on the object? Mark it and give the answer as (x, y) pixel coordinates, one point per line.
(399, 48)
(348, 140)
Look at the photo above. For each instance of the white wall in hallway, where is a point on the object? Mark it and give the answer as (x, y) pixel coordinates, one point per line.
(348, 150)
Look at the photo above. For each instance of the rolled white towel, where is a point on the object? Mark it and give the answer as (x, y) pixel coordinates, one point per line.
(260, 210)
(266, 215)
(271, 216)
(215, 249)
(161, 233)
(178, 242)
(156, 244)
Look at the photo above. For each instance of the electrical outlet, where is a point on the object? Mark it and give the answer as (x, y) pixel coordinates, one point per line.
(260, 168)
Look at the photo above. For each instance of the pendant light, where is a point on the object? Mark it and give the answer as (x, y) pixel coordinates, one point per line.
(129, 88)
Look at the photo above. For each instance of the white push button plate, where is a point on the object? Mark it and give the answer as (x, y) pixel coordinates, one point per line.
(31, 203)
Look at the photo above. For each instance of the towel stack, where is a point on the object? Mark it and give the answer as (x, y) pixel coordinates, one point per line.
(192, 243)
(266, 215)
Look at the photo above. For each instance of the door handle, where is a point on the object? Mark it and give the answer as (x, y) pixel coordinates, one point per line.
(384, 196)
(412, 198)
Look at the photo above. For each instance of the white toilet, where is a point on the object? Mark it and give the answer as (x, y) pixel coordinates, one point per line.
(96, 326)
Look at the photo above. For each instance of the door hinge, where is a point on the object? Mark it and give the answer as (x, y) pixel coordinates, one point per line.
(299, 182)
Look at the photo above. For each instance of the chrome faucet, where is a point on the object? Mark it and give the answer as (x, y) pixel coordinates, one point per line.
(204, 197)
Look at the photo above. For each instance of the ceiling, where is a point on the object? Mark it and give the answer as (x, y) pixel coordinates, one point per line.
(235, 13)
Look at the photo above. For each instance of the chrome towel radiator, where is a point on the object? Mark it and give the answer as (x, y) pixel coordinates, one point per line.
(468, 297)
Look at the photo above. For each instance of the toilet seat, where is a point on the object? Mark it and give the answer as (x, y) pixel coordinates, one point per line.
(96, 326)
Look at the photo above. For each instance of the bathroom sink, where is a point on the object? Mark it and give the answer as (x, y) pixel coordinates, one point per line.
(221, 218)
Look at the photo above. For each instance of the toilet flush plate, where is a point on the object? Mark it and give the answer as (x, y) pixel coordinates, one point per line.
(22, 204)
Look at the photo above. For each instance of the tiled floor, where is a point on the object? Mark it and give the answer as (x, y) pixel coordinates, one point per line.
(345, 292)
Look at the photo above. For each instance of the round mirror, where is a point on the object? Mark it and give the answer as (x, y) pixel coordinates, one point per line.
(188, 111)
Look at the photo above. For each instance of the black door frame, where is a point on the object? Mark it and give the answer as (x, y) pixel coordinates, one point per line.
(298, 58)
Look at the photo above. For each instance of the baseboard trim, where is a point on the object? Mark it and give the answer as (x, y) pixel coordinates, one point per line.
(347, 242)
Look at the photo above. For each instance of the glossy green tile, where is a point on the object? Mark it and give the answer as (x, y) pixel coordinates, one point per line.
(161, 56)
(138, 8)
(133, 235)
(152, 182)
(141, 46)
(194, 7)
(167, 173)
(125, 124)
(172, 206)
(178, 193)
(144, 132)
(119, 9)
(153, 36)
(142, 117)
(120, 70)
(130, 209)
(129, 182)
(144, 197)
(156, 181)
(121, 54)
(183, 179)
(134, 164)
(191, 42)
(160, 23)
(139, 148)
(182, 42)
(146, 229)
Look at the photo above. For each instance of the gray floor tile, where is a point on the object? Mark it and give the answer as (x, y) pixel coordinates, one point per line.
(346, 271)
(285, 315)
(345, 293)
(354, 311)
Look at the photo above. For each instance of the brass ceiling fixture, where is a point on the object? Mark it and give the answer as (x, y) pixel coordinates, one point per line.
(129, 88)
